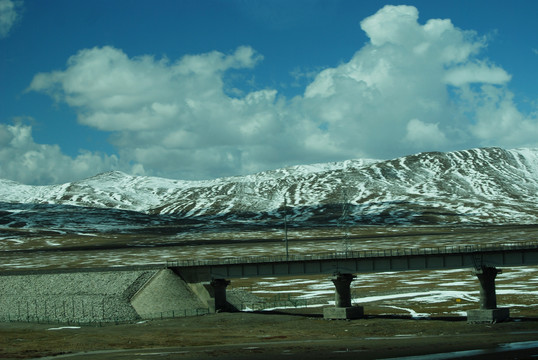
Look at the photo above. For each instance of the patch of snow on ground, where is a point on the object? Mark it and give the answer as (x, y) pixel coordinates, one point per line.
(65, 328)
(411, 312)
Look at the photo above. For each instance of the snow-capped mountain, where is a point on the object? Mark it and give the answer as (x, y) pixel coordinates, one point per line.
(491, 185)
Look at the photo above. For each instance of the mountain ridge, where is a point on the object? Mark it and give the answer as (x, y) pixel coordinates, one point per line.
(487, 185)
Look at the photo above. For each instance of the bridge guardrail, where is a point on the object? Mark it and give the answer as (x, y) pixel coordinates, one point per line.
(451, 249)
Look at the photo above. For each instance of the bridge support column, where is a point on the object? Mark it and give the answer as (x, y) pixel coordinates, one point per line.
(342, 284)
(343, 308)
(488, 312)
(219, 293)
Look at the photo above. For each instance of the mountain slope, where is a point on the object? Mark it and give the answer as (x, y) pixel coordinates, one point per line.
(490, 185)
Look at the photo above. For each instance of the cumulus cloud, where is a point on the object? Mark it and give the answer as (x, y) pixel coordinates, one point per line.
(9, 14)
(115, 93)
(21, 159)
(476, 73)
(415, 88)
(424, 134)
(173, 118)
(497, 119)
(412, 87)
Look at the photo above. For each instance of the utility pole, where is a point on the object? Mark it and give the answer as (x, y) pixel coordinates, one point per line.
(344, 219)
(346, 208)
(286, 225)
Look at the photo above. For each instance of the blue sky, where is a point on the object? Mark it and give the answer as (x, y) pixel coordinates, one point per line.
(204, 89)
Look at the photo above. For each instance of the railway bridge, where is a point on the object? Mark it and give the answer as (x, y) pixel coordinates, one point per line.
(213, 276)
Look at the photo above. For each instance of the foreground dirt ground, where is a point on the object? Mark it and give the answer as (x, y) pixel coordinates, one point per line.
(266, 335)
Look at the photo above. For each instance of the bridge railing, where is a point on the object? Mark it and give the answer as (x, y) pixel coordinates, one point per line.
(450, 249)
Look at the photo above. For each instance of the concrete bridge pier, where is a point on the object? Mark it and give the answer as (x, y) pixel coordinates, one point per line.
(342, 294)
(343, 308)
(211, 293)
(219, 293)
(488, 312)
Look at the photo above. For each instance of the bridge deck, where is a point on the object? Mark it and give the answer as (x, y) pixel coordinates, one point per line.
(448, 257)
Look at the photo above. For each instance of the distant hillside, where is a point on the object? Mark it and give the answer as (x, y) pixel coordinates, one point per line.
(490, 185)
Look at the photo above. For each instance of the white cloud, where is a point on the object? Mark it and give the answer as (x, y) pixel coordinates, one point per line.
(172, 118)
(476, 73)
(393, 25)
(412, 71)
(497, 119)
(21, 159)
(413, 87)
(115, 93)
(8, 15)
(424, 135)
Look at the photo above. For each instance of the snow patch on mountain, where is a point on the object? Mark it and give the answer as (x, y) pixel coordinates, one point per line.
(489, 185)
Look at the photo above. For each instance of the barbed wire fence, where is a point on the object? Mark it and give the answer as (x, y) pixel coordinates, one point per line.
(279, 301)
(80, 310)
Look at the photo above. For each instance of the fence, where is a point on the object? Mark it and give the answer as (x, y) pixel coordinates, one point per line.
(170, 314)
(82, 309)
(278, 302)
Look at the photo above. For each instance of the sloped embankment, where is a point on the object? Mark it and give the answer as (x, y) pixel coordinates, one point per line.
(166, 294)
(107, 295)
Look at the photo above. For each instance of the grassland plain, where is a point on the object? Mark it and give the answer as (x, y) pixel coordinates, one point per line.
(275, 335)
(408, 313)
(43, 249)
